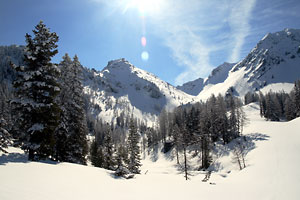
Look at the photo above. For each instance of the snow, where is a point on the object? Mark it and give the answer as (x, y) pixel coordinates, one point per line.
(272, 172)
(122, 87)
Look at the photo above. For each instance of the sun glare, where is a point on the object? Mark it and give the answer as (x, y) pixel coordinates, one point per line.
(145, 7)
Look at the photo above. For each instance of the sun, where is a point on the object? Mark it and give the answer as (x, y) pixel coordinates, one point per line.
(146, 7)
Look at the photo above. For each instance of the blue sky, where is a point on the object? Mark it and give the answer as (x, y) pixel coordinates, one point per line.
(186, 39)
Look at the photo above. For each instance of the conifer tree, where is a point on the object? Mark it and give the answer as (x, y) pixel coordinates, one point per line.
(36, 89)
(297, 97)
(96, 154)
(108, 151)
(5, 138)
(290, 110)
(134, 160)
(77, 141)
(64, 101)
(121, 160)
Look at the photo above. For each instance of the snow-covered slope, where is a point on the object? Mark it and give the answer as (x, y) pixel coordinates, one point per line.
(275, 59)
(272, 172)
(121, 88)
(218, 75)
(192, 87)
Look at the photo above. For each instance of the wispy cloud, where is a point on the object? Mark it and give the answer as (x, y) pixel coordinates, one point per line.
(240, 27)
(196, 30)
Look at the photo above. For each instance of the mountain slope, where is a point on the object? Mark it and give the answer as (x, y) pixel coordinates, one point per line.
(275, 59)
(192, 87)
(218, 75)
(122, 89)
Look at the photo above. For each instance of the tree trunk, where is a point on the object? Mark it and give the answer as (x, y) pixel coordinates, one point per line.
(185, 164)
(177, 156)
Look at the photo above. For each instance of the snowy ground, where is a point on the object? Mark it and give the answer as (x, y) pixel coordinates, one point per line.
(272, 172)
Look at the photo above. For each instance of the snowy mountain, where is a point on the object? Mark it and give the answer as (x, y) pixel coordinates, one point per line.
(218, 75)
(274, 62)
(122, 89)
(192, 87)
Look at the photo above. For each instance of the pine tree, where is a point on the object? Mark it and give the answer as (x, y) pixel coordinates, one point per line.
(134, 160)
(36, 89)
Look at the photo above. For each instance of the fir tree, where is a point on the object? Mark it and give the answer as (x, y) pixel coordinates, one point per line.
(133, 149)
(36, 89)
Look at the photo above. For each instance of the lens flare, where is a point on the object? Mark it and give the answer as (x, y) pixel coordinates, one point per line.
(143, 41)
(145, 55)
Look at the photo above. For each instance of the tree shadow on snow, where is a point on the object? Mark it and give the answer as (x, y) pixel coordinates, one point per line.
(247, 142)
(21, 158)
(13, 157)
(154, 153)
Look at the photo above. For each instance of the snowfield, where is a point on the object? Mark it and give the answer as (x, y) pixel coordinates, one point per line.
(272, 172)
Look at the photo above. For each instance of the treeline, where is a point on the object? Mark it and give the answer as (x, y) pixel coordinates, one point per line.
(201, 125)
(276, 106)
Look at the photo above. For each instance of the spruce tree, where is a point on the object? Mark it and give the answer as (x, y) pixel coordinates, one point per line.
(73, 128)
(64, 101)
(36, 89)
(134, 161)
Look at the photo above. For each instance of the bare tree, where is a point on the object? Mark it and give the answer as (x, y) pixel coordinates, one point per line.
(239, 154)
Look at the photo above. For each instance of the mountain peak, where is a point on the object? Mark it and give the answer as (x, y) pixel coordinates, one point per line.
(118, 63)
